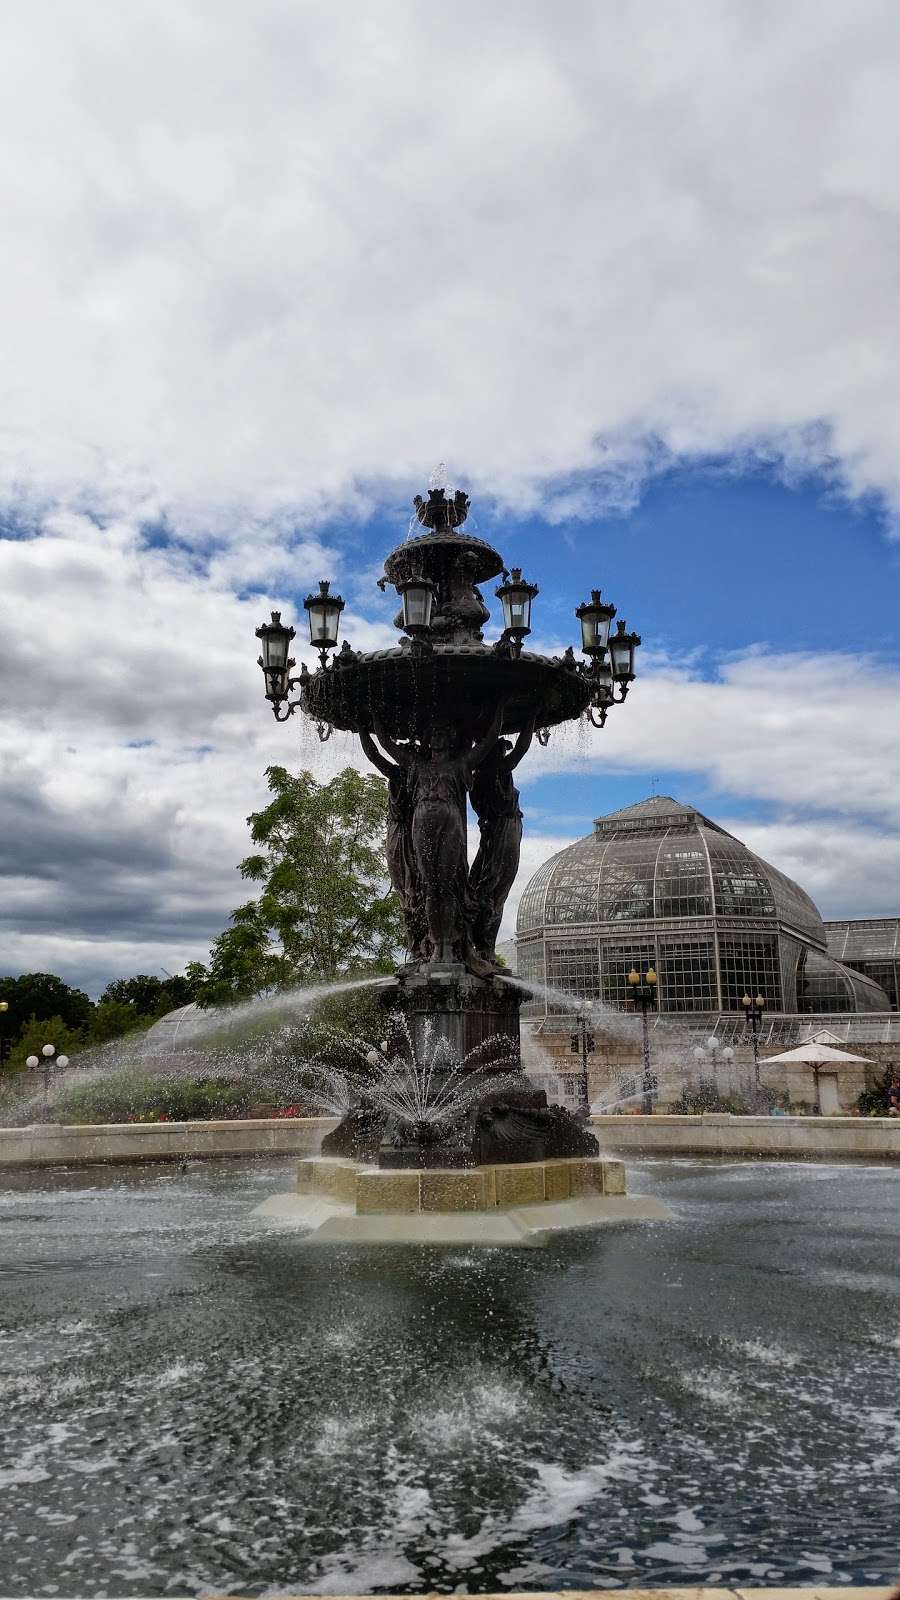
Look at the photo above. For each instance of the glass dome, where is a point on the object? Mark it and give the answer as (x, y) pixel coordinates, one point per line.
(663, 860)
(659, 883)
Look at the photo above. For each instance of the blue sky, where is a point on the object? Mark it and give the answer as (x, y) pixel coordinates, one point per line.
(633, 278)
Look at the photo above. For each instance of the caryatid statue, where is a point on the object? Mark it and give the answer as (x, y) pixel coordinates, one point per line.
(439, 774)
(495, 801)
(401, 860)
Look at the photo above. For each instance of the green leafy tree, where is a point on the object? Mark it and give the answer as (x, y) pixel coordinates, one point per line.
(153, 997)
(42, 994)
(111, 1019)
(325, 897)
(242, 962)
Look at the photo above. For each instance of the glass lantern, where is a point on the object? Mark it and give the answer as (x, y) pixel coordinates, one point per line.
(324, 612)
(275, 662)
(595, 617)
(622, 646)
(417, 595)
(516, 595)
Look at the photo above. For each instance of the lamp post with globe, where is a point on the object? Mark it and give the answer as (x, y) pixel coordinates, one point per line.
(753, 1011)
(642, 992)
(48, 1051)
(5, 1043)
(713, 1051)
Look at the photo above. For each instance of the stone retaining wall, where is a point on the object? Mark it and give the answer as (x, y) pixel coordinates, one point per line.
(822, 1138)
(52, 1145)
(716, 1134)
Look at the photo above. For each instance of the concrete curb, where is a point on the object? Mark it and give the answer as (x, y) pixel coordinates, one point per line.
(807, 1138)
(718, 1134)
(56, 1145)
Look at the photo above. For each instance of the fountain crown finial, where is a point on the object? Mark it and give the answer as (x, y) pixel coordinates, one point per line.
(438, 513)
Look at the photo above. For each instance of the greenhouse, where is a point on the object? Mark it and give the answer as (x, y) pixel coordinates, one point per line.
(659, 885)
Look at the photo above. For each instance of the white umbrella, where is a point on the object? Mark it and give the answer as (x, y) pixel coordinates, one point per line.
(814, 1055)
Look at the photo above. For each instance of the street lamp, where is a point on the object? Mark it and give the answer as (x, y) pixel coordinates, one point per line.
(48, 1051)
(642, 992)
(516, 594)
(324, 612)
(622, 646)
(713, 1051)
(417, 596)
(611, 659)
(583, 1042)
(275, 662)
(753, 1011)
(595, 617)
(5, 1044)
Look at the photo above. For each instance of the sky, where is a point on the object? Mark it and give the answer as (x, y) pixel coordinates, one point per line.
(631, 271)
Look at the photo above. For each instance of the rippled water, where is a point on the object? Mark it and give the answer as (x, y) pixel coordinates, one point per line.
(189, 1401)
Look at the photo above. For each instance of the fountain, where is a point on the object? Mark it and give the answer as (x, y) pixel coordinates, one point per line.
(433, 715)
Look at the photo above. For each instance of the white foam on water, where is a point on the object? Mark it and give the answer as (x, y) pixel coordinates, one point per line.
(710, 1386)
(687, 1520)
(26, 1469)
(482, 1411)
(557, 1497)
(361, 1574)
(769, 1355)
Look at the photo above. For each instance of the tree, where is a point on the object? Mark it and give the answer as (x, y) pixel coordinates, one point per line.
(242, 962)
(42, 994)
(325, 894)
(325, 908)
(111, 1019)
(153, 997)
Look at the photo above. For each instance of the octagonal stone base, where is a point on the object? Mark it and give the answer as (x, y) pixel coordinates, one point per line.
(345, 1201)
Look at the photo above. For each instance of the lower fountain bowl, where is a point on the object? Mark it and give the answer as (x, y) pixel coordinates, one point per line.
(341, 1201)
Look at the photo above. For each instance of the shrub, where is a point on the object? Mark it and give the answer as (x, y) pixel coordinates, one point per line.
(116, 1097)
(874, 1102)
(702, 1097)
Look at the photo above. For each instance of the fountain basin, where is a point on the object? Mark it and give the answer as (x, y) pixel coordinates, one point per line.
(343, 1201)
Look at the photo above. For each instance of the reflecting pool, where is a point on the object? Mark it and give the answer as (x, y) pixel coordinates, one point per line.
(191, 1401)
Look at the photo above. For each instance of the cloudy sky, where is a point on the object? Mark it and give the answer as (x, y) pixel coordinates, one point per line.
(633, 271)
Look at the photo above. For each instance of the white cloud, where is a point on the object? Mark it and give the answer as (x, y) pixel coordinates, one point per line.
(135, 742)
(261, 257)
(266, 261)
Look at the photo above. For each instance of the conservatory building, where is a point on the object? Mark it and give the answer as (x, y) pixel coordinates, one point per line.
(659, 885)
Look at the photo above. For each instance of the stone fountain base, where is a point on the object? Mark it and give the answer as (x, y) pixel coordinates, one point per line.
(344, 1201)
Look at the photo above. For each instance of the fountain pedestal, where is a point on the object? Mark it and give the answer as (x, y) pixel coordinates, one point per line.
(346, 1202)
(490, 1112)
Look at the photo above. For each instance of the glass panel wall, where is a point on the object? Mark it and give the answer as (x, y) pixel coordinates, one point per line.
(750, 965)
(687, 975)
(575, 968)
(683, 886)
(625, 891)
(616, 961)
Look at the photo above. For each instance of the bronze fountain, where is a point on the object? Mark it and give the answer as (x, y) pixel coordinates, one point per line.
(433, 715)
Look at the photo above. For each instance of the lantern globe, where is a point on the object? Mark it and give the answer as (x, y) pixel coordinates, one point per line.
(516, 595)
(276, 638)
(324, 613)
(32, 1062)
(417, 596)
(622, 646)
(595, 617)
